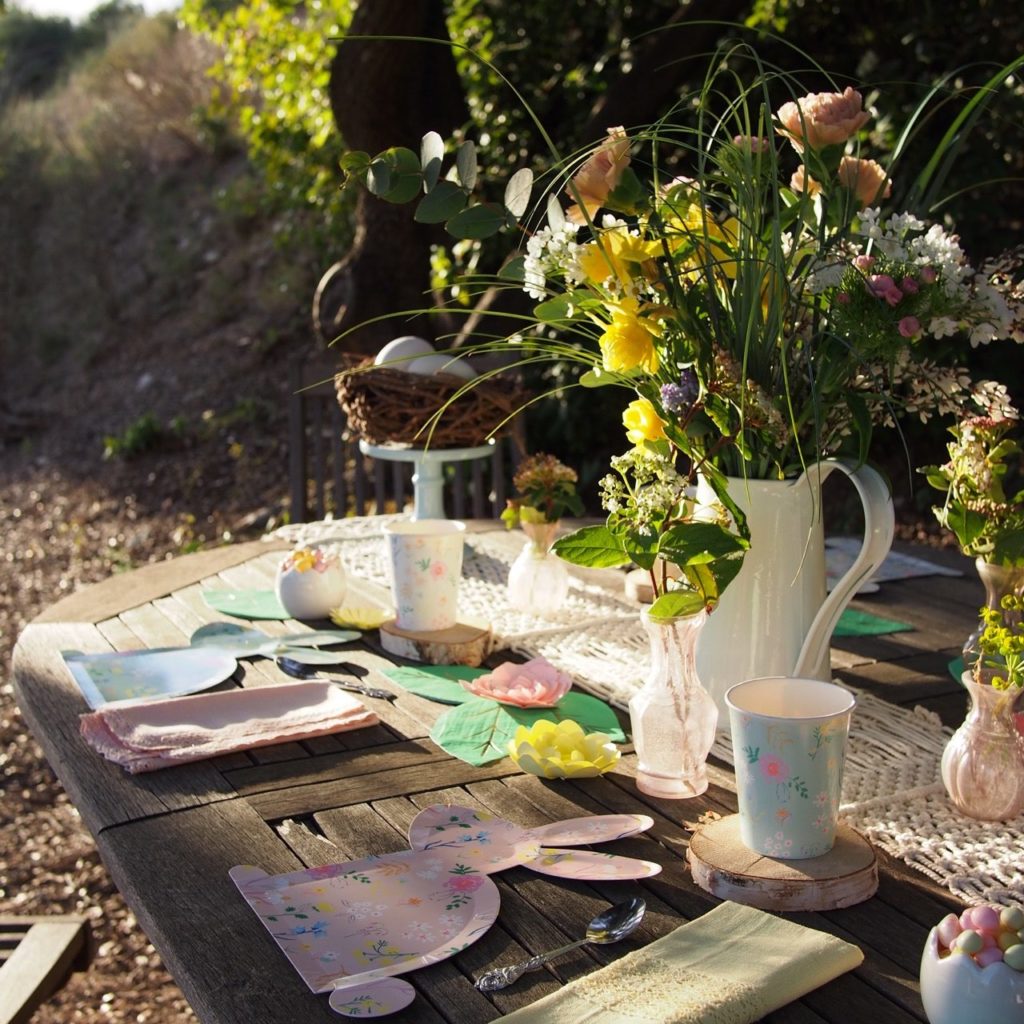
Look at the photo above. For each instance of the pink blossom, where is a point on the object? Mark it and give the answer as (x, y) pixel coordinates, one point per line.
(893, 296)
(465, 883)
(437, 570)
(774, 768)
(864, 178)
(864, 263)
(910, 327)
(929, 275)
(879, 284)
(535, 684)
(754, 143)
(822, 119)
(802, 182)
(909, 286)
(842, 298)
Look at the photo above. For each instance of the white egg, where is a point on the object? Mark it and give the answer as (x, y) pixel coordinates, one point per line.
(402, 351)
(441, 363)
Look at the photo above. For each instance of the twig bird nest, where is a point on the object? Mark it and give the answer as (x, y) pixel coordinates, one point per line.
(384, 404)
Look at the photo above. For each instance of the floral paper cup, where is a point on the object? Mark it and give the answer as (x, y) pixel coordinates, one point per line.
(426, 564)
(789, 742)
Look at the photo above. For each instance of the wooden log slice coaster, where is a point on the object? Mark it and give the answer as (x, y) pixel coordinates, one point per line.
(465, 643)
(724, 867)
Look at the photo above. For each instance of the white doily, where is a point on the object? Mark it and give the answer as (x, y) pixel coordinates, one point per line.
(892, 791)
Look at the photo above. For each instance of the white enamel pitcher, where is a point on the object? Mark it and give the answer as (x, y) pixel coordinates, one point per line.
(776, 618)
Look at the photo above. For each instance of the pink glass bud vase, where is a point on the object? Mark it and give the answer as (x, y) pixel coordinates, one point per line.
(538, 581)
(673, 717)
(983, 763)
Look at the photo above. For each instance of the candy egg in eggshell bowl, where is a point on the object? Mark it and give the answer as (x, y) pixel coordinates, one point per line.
(402, 351)
(309, 583)
(972, 969)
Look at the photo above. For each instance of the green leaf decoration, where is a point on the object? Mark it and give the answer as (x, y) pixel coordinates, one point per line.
(594, 546)
(431, 158)
(479, 730)
(477, 222)
(465, 165)
(441, 203)
(517, 191)
(436, 682)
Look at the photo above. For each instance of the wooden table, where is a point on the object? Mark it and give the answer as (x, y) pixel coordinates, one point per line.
(169, 837)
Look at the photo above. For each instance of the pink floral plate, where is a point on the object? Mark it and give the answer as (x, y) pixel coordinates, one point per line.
(345, 924)
(493, 844)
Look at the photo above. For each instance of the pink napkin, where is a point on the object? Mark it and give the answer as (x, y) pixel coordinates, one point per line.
(143, 737)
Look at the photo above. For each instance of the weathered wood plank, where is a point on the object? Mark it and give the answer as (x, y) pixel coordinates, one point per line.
(112, 596)
(103, 792)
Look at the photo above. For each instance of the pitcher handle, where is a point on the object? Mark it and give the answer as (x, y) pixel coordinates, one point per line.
(879, 527)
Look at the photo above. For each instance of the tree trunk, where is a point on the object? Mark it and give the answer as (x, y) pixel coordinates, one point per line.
(388, 93)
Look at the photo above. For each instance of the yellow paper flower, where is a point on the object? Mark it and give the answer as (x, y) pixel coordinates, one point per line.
(360, 616)
(562, 751)
(642, 422)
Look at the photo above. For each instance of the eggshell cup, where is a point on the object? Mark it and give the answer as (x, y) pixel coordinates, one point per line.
(955, 990)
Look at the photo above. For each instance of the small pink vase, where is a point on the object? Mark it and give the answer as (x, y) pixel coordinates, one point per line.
(983, 763)
(673, 717)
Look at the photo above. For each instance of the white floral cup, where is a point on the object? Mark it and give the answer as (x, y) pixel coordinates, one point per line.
(426, 564)
(789, 743)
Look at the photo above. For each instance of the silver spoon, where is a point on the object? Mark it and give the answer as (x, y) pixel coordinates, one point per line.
(609, 926)
(297, 670)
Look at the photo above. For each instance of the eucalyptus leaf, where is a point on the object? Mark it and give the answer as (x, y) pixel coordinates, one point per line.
(465, 164)
(594, 546)
(431, 158)
(556, 215)
(441, 203)
(554, 310)
(477, 222)
(517, 191)
(513, 270)
(378, 177)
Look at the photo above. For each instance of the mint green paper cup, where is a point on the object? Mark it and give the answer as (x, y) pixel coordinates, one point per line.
(789, 744)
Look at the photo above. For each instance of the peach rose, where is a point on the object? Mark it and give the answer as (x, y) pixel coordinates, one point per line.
(802, 182)
(865, 179)
(535, 684)
(599, 175)
(822, 119)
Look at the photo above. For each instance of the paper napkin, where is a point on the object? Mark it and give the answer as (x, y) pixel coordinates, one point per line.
(734, 965)
(143, 737)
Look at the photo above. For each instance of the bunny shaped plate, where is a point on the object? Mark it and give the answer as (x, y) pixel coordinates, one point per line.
(493, 844)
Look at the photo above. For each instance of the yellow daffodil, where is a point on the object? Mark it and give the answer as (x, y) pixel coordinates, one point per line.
(615, 254)
(628, 341)
(642, 422)
(562, 751)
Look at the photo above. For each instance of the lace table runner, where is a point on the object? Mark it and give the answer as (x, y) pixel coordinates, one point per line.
(892, 791)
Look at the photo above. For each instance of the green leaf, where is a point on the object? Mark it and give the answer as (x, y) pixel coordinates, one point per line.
(596, 378)
(513, 270)
(594, 546)
(556, 215)
(698, 543)
(674, 604)
(378, 177)
(477, 222)
(441, 203)
(355, 162)
(479, 730)
(642, 548)
(431, 158)
(436, 682)
(465, 165)
(517, 191)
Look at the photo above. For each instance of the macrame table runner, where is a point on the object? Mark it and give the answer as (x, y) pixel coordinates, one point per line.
(892, 792)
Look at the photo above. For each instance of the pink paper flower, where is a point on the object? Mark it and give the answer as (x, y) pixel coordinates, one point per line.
(536, 684)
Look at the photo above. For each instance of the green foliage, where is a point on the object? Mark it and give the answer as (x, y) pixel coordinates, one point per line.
(143, 436)
(273, 74)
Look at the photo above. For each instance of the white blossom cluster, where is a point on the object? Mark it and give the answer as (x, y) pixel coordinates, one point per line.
(659, 487)
(548, 252)
(994, 400)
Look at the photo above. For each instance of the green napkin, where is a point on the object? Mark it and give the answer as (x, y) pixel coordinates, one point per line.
(854, 622)
(246, 604)
(734, 965)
